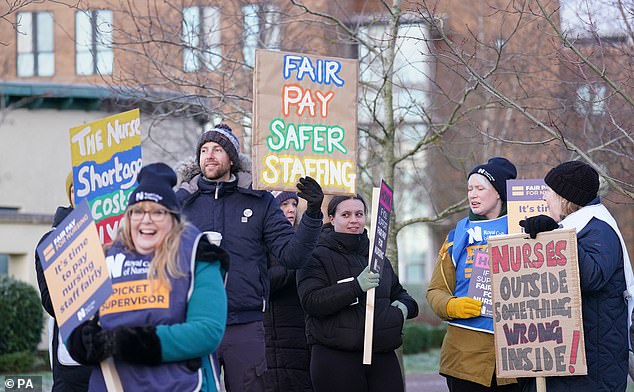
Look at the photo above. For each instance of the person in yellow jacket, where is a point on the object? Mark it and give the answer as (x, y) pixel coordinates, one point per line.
(467, 356)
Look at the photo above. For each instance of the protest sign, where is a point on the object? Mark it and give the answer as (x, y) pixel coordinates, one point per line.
(379, 229)
(537, 305)
(106, 157)
(305, 121)
(75, 269)
(381, 214)
(525, 198)
(480, 282)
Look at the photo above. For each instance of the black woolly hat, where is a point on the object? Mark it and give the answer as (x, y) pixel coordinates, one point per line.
(497, 170)
(156, 183)
(575, 181)
(223, 135)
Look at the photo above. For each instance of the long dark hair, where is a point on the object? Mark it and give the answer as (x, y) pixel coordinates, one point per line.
(335, 201)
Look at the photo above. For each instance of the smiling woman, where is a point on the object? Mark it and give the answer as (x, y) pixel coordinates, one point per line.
(332, 289)
(167, 313)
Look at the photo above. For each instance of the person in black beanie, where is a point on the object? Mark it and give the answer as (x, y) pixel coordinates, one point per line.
(606, 279)
(217, 195)
(168, 311)
(467, 356)
(287, 353)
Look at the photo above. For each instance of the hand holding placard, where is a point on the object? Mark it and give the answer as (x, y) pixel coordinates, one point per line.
(368, 279)
(463, 307)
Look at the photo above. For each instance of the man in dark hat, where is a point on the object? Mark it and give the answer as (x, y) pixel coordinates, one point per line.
(219, 198)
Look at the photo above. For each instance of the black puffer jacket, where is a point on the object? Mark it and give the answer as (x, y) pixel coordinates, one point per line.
(334, 318)
(287, 354)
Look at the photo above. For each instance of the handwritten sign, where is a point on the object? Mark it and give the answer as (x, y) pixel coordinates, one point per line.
(106, 157)
(524, 198)
(537, 305)
(305, 121)
(75, 269)
(480, 282)
(382, 216)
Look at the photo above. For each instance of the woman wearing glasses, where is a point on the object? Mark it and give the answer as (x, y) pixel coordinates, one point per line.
(167, 313)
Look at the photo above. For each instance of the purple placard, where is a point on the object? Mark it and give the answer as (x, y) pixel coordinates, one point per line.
(382, 228)
(523, 190)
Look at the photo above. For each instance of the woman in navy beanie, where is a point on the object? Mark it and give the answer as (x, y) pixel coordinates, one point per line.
(467, 356)
(287, 353)
(168, 310)
(605, 273)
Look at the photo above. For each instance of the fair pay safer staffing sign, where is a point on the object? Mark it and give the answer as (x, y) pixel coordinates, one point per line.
(305, 121)
(75, 269)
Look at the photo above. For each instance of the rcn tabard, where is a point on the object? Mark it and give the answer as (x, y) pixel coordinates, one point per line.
(305, 121)
(537, 305)
(106, 157)
(75, 269)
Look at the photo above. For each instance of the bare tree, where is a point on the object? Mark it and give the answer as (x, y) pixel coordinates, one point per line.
(444, 84)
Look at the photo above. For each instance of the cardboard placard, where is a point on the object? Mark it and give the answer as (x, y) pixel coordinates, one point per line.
(75, 269)
(524, 198)
(537, 305)
(106, 157)
(305, 121)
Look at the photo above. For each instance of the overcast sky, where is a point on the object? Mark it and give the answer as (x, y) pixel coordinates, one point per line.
(579, 17)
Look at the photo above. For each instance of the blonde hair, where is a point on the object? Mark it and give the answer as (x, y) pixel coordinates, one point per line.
(567, 207)
(164, 263)
(482, 180)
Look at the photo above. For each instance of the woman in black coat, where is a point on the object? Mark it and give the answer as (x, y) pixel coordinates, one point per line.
(332, 289)
(287, 354)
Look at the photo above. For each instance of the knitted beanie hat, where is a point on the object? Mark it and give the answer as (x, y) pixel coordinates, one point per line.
(574, 181)
(155, 184)
(223, 135)
(282, 196)
(497, 170)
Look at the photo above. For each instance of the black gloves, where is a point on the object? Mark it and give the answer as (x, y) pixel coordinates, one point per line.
(138, 345)
(85, 344)
(89, 344)
(207, 251)
(538, 224)
(310, 191)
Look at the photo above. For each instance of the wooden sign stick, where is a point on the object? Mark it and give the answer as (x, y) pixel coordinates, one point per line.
(110, 375)
(541, 384)
(369, 304)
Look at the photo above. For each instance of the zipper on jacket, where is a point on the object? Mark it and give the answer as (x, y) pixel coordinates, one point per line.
(217, 188)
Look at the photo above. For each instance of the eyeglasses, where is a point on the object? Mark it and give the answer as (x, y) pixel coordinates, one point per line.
(137, 214)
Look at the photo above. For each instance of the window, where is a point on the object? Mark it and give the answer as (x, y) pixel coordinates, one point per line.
(410, 73)
(93, 37)
(201, 37)
(591, 100)
(415, 273)
(4, 264)
(261, 30)
(36, 56)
